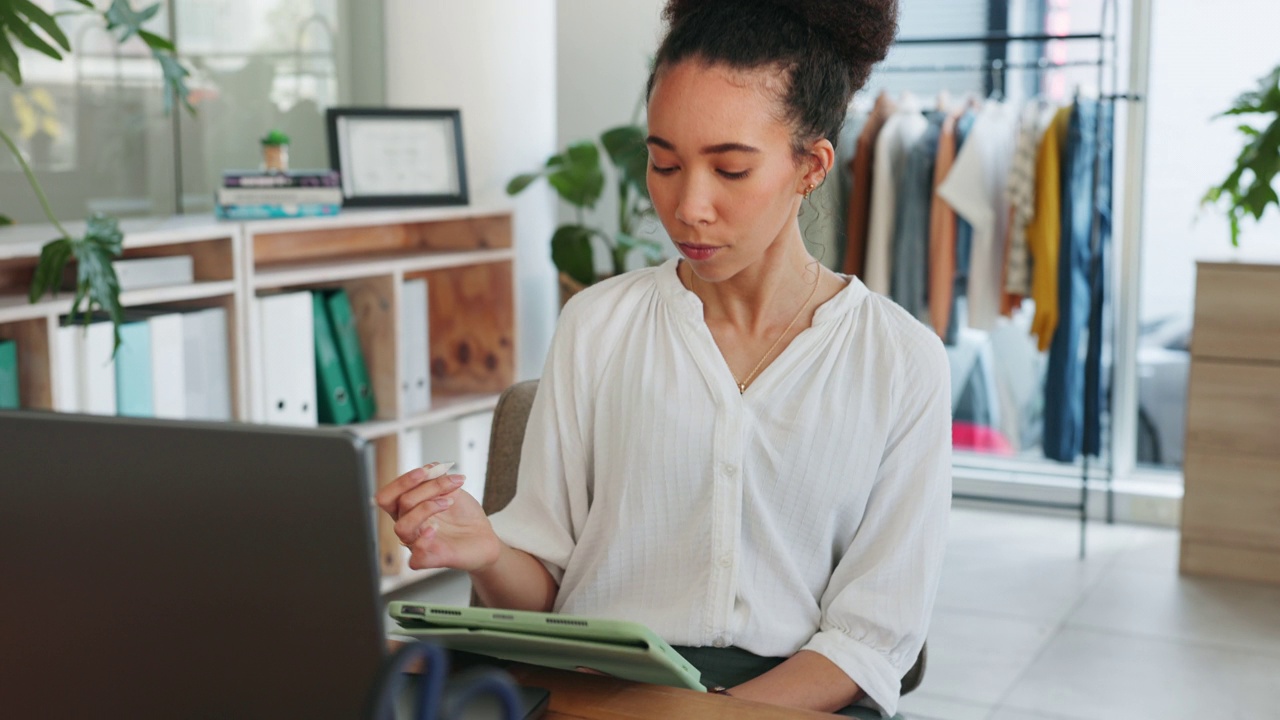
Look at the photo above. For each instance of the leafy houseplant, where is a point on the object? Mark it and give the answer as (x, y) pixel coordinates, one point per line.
(1250, 187)
(578, 178)
(22, 21)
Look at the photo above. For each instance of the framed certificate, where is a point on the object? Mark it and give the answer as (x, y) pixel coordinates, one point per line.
(395, 156)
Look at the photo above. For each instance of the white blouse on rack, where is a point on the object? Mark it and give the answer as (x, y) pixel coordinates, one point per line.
(808, 513)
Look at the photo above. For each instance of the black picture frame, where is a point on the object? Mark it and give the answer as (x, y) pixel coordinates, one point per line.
(367, 143)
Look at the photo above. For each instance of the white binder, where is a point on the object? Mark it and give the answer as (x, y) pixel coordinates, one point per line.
(464, 442)
(207, 366)
(98, 370)
(168, 366)
(287, 341)
(415, 389)
(66, 372)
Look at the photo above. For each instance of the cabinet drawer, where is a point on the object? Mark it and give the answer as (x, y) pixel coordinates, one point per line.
(1234, 408)
(1232, 500)
(1237, 312)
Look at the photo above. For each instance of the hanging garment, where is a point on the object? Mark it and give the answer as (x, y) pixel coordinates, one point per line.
(942, 232)
(1095, 380)
(1022, 196)
(964, 242)
(900, 132)
(859, 212)
(1044, 233)
(910, 267)
(975, 189)
(1064, 381)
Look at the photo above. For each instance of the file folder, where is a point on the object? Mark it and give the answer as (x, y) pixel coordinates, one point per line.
(348, 339)
(334, 403)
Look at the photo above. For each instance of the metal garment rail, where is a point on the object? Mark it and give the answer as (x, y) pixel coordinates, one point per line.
(1107, 57)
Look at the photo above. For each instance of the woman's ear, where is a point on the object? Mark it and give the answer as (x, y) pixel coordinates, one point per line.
(819, 162)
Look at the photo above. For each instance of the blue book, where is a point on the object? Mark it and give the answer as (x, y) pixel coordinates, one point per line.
(133, 371)
(268, 212)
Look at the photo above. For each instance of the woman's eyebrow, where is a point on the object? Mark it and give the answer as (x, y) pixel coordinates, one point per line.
(708, 150)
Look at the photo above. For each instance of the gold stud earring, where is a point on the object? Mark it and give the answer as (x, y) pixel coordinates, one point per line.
(809, 191)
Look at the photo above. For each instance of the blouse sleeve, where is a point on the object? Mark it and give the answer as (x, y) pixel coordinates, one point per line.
(876, 608)
(547, 513)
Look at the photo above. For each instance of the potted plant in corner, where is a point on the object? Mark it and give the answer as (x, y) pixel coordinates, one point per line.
(1250, 187)
(96, 285)
(579, 179)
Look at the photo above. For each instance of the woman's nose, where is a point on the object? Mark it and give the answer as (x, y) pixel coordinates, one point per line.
(694, 205)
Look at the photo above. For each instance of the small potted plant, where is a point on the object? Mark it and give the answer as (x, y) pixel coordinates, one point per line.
(578, 178)
(275, 152)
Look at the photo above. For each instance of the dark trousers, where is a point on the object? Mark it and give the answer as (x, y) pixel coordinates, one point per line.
(732, 666)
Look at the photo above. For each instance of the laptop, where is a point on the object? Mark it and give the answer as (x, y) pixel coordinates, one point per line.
(185, 569)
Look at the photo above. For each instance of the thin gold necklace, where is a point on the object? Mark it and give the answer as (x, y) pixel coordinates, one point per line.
(742, 384)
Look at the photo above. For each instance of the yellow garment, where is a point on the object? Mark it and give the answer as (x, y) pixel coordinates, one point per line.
(1044, 232)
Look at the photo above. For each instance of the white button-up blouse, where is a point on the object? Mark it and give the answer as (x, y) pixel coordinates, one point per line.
(808, 513)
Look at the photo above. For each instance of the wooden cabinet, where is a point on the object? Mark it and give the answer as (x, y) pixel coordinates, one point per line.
(1231, 505)
(465, 254)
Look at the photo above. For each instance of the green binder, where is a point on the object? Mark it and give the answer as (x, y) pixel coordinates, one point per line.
(344, 331)
(8, 375)
(333, 398)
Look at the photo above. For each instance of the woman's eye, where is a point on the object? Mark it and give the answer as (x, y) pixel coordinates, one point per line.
(734, 175)
(662, 170)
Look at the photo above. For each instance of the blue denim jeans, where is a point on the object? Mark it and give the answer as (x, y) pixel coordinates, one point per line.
(1096, 385)
(1064, 381)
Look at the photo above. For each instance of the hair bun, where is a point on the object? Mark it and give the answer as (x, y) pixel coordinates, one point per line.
(862, 30)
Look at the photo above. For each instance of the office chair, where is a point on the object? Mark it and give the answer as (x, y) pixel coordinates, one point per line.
(509, 420)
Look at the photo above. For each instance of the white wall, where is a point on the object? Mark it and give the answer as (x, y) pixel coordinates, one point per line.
(496, 61)
(602, 65)
(1203, 55)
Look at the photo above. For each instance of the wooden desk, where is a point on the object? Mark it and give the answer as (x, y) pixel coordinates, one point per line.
(578, 696)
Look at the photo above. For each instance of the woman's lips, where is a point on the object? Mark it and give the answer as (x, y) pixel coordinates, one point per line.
(698, 252)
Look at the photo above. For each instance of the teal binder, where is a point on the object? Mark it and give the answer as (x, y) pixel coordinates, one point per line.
(344, 331)
(8, 375)
(334, 402)
(133, 371)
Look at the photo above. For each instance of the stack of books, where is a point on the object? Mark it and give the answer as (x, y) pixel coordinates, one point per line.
(256, 195)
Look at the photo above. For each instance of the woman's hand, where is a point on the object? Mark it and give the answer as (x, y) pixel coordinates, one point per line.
(439, 522)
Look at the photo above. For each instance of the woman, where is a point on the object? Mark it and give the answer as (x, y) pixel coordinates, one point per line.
(742, 450)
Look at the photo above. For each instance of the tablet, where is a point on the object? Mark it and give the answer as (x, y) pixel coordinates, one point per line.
(618, 648)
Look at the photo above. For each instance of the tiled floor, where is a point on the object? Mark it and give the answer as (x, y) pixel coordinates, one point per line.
(1025, 630)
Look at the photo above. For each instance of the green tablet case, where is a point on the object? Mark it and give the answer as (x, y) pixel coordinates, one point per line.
(618, 648)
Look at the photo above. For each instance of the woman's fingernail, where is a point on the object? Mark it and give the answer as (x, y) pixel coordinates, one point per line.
(427, 530)
(444, 502)
(456, 480)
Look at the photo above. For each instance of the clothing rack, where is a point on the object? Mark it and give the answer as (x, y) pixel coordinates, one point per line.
(998, 65)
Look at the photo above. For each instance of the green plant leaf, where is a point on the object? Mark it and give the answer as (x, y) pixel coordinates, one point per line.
(652, 250)
(9, 59)
(583, 153)
(571, 253)
(48, 276)
(629, 153)
(520, 182)
(121, 16)
(175, 80)
(155, 42)
(5, 220)
(14, 14)
(96, 282)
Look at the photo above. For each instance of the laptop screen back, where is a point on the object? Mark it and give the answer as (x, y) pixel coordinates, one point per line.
(184, 570)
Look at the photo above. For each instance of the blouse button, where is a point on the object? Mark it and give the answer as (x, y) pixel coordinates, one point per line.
(729, 469)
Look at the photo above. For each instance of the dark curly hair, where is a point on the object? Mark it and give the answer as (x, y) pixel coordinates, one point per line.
(825, 49)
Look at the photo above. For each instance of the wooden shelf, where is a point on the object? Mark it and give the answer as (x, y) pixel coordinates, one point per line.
(15, 308)
(465, 254)
(280, 276)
